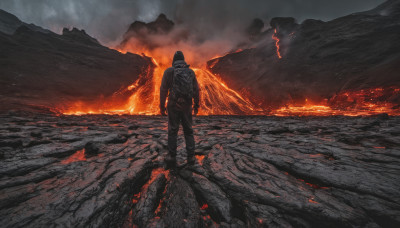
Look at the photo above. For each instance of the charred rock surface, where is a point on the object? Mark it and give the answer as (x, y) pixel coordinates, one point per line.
(319, 59)
(104, 171)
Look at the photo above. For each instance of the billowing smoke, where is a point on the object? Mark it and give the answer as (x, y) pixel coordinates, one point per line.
(108, 20)
(161, 38)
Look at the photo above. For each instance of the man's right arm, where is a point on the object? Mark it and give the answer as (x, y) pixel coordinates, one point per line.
(164, 89)
(196, 92)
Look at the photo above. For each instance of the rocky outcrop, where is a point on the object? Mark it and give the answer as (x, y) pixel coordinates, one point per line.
(255, 29)
(79, 35)
(249, 172)
(284, 23)
(161, 25)
(143, 33)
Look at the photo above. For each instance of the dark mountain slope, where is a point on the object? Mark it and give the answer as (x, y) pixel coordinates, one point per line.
(319, 59)
(39, 67)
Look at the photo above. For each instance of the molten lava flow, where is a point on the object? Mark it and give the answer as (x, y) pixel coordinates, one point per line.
(275, 37)
(146, 98)
(351, 103)
(218, 99)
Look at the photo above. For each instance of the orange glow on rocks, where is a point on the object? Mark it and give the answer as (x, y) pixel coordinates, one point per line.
(154, 174)
(77, 156)
(200, 159)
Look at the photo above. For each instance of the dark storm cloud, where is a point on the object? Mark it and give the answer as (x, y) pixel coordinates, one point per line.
(107, 20)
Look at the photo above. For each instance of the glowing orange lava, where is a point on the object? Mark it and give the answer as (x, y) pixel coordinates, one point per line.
(77, 156)
(200, 159)
(275, 37)
(352, 103)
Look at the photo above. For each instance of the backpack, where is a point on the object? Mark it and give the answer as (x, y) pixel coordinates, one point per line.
(181, 92)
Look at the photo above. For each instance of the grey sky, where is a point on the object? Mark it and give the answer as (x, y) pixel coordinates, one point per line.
(107, 20)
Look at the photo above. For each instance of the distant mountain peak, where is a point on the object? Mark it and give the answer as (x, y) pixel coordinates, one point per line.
(80, 35)
(9, 22)
(390, 7)
(161, 25)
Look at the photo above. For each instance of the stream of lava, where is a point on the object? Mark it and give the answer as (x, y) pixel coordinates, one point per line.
(275, 37)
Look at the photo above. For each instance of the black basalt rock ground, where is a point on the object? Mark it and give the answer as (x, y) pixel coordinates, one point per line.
(76, 171)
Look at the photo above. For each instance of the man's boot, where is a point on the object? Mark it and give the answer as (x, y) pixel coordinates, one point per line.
(171, 162)
(191, 159)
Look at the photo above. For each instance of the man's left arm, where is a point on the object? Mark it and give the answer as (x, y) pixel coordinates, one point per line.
(164, 91)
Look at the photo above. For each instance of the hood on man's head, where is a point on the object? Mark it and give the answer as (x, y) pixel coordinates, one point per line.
(178, 56)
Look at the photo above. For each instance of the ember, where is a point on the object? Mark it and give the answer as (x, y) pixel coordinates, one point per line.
(311, 200)
(205, 206)
(200, 158)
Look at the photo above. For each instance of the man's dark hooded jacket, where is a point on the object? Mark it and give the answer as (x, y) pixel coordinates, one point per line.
(167, 83)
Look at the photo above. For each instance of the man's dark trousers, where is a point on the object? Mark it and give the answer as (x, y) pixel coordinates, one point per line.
(175, 117)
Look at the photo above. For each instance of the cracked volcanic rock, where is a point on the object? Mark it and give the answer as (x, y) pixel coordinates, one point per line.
(250, 172)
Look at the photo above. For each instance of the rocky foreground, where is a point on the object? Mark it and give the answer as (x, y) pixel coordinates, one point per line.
(102, 171)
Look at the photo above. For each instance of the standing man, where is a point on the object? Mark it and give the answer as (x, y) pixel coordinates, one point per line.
(181, 83)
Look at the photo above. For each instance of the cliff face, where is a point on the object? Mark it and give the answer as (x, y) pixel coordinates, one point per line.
(39, 67)
(319, 58)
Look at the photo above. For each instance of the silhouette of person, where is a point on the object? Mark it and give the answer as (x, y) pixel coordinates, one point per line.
(180, 84)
